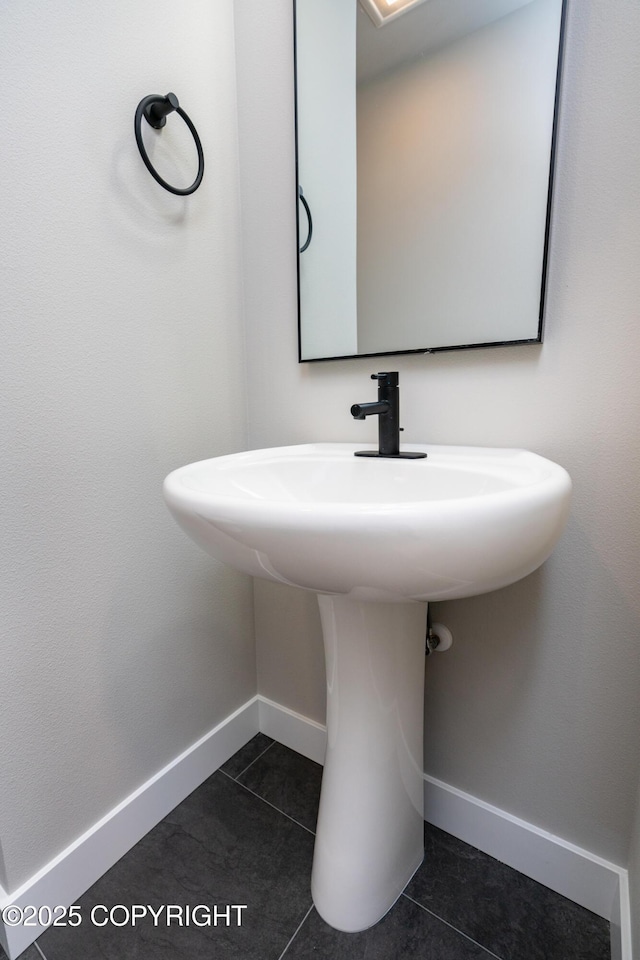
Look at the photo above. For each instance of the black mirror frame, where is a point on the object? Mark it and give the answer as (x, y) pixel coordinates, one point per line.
(543, 286)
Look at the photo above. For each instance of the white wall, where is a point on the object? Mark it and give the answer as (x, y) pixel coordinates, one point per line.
(121, 358)
(326, 57)
(536, 707)
(453, 176)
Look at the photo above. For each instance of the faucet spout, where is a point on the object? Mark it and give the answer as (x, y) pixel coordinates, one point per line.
(360, 411)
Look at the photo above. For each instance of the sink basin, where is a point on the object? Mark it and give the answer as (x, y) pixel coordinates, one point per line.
(464, 521)
(375, 539)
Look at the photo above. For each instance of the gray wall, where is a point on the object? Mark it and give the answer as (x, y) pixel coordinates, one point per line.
(536, 707)
(121, 358)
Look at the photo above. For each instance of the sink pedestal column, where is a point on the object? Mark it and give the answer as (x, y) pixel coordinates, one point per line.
(369, 838)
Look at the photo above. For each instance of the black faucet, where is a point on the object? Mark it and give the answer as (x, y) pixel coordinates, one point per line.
(387, 409)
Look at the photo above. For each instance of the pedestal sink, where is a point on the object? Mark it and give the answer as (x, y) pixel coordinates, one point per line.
(376, 540)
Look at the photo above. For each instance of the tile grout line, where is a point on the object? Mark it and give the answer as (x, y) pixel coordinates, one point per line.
(268, 802)
(39, 949)
(255, 759)
(296, 932)
(462, 934)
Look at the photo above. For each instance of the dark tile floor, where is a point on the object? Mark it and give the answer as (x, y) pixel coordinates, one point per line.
(244, 840)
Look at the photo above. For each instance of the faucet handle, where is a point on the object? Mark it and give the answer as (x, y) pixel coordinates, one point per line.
(391, 379)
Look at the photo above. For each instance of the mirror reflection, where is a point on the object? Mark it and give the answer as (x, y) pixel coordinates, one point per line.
(424, 152)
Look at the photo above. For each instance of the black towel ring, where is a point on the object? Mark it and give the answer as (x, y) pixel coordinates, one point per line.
(155, 109)
(309, 220)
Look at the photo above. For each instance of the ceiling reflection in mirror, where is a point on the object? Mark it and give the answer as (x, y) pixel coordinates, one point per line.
(424, 157)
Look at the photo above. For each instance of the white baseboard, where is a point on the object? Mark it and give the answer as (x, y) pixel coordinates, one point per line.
(575, 873)
(621, 947)
(78, 867)
(581, 876)
(293, 730)
(569, 870)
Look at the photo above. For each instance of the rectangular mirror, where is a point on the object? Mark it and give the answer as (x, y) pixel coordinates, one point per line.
(425, 137)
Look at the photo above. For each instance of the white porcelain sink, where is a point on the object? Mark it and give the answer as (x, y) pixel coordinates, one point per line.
(464, 521)
(375, 539)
